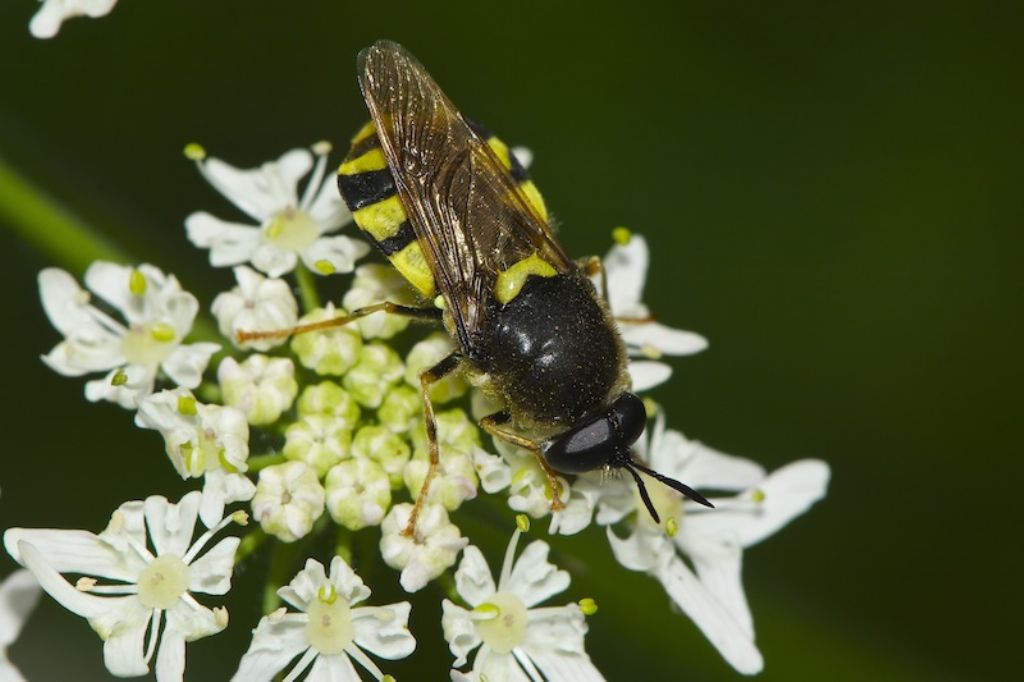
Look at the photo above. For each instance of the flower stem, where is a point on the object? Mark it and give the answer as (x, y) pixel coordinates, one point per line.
(250, 543)
(307, 288)
(258, 462)
(42, 222)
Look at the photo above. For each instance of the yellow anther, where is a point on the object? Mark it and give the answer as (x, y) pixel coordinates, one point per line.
(651, 407)
(622, 235)
(325, 267)
(522, 522)
(120, 378)
(439, 302)
(650, 352)
(240, 517)
(187, 405)
(757, 495)
(85, 584)
(194, 151)
(486, 611)
(327, 594)
(388, 678)
(588, 606)
(322, 147)
(671, 526)
(161, 331)
(136, 283)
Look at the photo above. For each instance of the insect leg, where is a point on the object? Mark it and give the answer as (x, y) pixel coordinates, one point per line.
(432, 375)
(492, 424)
(592, 265)
(430, 314)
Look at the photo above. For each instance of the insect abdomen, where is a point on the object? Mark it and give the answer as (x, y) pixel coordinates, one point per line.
(368, 187)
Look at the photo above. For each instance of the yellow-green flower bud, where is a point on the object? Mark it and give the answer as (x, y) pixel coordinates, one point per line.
(400, 409)
(377, 369)
(385, 448)
(358, 493)
(332, 351)
(319, 441)
(425, 355)
(329, 399)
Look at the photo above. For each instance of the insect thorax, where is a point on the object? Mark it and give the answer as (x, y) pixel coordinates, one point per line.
(552, 352)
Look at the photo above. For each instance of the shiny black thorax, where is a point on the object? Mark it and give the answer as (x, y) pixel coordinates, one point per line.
(552, 352)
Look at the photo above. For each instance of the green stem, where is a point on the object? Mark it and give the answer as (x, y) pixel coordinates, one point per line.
(307, 288)
(281, 560)
(343, 544)
(39, 219)
(250, 543)
(258, 462)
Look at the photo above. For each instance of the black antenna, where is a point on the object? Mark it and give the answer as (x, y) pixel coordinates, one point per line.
(670, 482)
(643, 492)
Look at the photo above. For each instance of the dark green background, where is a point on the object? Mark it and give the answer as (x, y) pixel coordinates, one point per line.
(832, 191)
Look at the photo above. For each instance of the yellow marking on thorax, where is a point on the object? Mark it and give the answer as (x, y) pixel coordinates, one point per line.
(370, 161)
(411, 263)
(511, 280)
(381, 219)
(501, 149)
(364, 132)
(535, 199)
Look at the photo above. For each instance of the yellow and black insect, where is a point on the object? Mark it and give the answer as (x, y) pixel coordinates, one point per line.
(454, 211)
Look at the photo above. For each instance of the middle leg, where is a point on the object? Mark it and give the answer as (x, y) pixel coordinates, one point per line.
(493, 424)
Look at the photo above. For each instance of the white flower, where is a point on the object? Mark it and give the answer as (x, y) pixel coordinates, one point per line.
(384, 447)
(257, 304)
(329, 351)
(261, 387)
(158, 314)
(711, 539)
(358, 493)
(421, 558)
(51, 15)
(288, 501)
(376, 283)
(211, 441)
(145, 584)
(288, 227)
(328, 632)
(626, 270)
(516, 640)
(19, 594)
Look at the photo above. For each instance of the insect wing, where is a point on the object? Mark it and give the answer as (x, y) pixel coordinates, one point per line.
(472, 219)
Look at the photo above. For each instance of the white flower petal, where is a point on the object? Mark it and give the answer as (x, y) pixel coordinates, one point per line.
(47, 20)
(170, 658)
(229, 243)
(85, 353)
(337, 668)
(273, 260)
(646, 374)
(339, 252)
(566, 667)
(626, 269)
(384, 630)
(262, 191)
(490, 665)
(327, 209)
(123, 649)
(347, 584)
(459, 631)
(719, 565)
(63, 300)
(138, 384)
(211, 573)
(644, 550)
(171, 525)
(192, 620)
(186, 364)
(304, 586)
(533, 578)
(19, 594)
(86, 605)
(722, 630)
(664, 339)
(473, 578)
(274, 645)
(697, 464)
(72, 551)
(109, 281)
(219, 489)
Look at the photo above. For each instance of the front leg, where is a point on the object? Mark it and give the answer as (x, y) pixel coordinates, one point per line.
(429, 314)
(493, 423)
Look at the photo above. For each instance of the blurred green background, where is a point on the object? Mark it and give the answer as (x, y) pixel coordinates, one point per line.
(832, 191)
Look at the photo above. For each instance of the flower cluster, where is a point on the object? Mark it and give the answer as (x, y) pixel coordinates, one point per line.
(324, 435)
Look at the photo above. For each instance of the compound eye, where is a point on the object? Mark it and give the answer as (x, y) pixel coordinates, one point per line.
(629, 414)
(585, 448)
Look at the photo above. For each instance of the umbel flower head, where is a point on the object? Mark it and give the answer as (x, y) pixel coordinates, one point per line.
(147, 584)
(157, 313)
(288, 227)
(327, 632)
